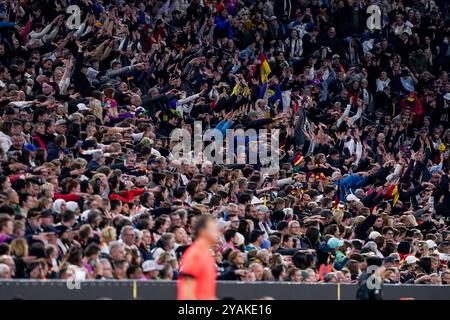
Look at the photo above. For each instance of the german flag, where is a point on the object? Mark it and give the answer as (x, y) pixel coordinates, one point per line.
(298, 159)
(265, 68)
(392, 192)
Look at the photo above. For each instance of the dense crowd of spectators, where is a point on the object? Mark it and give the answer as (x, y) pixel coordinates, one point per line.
(90, 188)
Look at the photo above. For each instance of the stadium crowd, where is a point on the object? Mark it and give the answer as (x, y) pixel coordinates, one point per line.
(89, 185)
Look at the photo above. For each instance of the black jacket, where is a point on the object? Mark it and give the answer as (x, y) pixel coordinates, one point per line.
(364, 293)
(80, 80)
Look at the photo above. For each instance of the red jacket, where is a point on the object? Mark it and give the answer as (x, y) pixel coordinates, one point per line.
(127, 195)
(66, 197)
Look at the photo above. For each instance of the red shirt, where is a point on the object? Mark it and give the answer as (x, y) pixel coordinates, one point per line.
(197, 262)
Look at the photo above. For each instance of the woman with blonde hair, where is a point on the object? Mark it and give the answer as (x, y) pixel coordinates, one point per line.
(422, 249)
(275, 260)
(236, 264)
(338, 215)
(45, 203)
(267, 275)
(97, 110)
(19, 248)
(48, 190)
(108, 235)
(237, 259)
(389, 276)
(164, 258)
(19, 252)
(409, 221)
(235, 174)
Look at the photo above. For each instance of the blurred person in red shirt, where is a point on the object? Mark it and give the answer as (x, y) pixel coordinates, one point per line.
(197, 277)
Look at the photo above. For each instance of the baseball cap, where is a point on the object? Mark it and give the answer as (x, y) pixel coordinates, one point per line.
(151, 265)
(262, 209)
(352, 197)
(374, 234)
(240, 239)
(82, 106)
(335, 175)
(265, 244)
(61, 122)
(431, 244)
(340, 261)
(411, 259)
(72, 205)
(252, 114)
(334, 243)
(392, 258)
(62, 228)
(224, 224)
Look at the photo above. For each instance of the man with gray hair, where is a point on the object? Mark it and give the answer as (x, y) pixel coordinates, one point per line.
(360, 193)
(257, 269)
(165, 244)
(107, 272)
(207, 168)
(9, 261)
(98, 160)
(116, 251)
(142, 181)
(128, 236)
(5, 272)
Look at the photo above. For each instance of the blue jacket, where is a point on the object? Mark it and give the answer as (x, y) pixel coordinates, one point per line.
(6, 24)
(223, 25)
(53, 151)
(347, 184)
